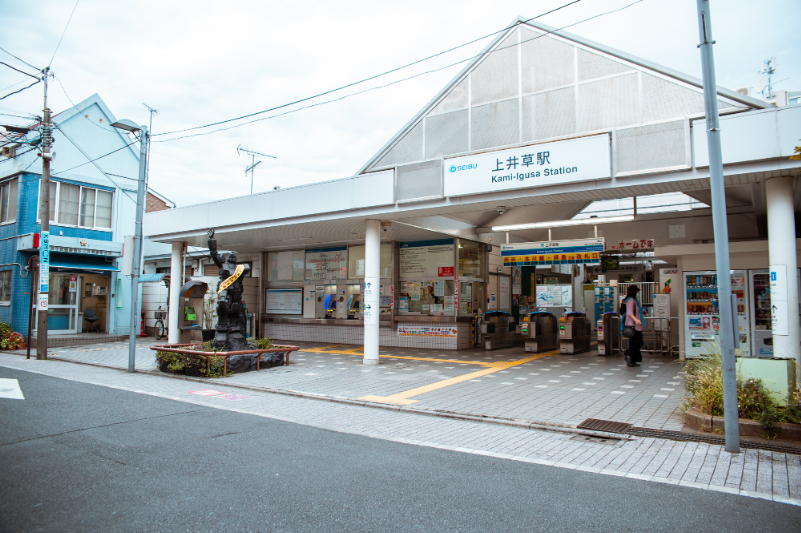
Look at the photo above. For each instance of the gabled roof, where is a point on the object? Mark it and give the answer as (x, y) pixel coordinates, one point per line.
(550, 30)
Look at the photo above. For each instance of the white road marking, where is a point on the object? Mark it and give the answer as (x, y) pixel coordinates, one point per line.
(9, 388)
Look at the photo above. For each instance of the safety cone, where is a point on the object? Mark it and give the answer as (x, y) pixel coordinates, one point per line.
(142, 326)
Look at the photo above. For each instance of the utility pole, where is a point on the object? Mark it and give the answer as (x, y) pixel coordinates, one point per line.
(44, 239)
(727, 304)
(144, 138)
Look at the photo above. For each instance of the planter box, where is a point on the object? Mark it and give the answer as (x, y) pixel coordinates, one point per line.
(748, 428)
(777, 375)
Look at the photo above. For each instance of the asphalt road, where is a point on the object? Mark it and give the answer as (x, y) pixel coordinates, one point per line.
(77, 457)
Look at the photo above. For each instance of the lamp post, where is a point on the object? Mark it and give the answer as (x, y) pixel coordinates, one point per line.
(131, 127)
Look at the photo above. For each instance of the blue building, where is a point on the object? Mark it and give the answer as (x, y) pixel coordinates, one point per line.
(92, 209)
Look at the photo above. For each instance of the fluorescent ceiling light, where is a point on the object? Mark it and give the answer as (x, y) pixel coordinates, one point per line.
(560, 223)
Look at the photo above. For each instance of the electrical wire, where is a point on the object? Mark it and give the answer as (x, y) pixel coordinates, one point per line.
(19, 91)
(371, 77)
(548, 32)
(18, 70)
(62, 33)
(94, 162)
(18, 59)
(76, 107)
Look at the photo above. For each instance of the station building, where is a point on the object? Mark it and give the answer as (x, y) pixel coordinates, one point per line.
(542, 129)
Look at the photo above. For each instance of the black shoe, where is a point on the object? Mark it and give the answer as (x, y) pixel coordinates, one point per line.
(629, 363)
(635, 364)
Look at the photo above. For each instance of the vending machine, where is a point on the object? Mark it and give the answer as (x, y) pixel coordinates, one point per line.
(701, 317)
(761, 334)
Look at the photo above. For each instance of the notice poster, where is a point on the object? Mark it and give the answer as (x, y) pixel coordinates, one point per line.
(73, 283)
(542, 296)
(554, 295)
(403, 304)
(439, 288)
(427, 331)
(449, 304)
(327, 263)
(427, 259)
(567, 295)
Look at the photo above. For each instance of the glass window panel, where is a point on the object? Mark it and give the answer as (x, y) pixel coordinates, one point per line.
(53, 199)
(356, 261)
(471, 259)
(12, 200)
(68, 204)
(286, 266)
(5, 286)
(103, 213)
(87, 215)
(4, 202)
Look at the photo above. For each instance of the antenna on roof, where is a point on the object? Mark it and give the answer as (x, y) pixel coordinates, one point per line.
(253, 162)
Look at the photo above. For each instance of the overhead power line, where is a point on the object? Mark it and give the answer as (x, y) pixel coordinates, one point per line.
(20, 90)
(18, 70)
(545, 33)
(396, 69)
(63, 32)
(19, 59)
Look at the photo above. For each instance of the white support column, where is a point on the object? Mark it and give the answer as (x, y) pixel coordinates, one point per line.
(783, 262)
(175, 291)
(372, 269)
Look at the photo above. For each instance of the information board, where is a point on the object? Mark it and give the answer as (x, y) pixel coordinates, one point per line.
(580, 251)
(284, 301)
(327, 263)
(427, 259)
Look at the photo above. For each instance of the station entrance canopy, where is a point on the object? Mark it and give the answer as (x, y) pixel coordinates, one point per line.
(538, 126)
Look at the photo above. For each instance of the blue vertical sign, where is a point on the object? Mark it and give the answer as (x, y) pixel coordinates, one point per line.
(44, 262)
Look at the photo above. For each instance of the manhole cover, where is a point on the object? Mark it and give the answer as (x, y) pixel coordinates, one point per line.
(604, 425)
(611, 441)
(400, 365)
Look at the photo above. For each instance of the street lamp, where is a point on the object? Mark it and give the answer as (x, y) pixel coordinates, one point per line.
(131, 127)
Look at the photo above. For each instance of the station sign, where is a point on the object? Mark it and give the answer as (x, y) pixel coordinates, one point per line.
(572, 252)
(537, 165)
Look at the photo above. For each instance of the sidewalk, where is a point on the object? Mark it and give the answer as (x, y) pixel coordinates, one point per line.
(754, 473)
(507, 384)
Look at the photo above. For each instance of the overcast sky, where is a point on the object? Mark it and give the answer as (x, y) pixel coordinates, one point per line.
(200, 62)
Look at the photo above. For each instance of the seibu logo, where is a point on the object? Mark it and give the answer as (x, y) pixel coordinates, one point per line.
(469, 166)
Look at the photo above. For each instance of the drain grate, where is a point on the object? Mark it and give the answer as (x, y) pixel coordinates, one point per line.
(604, 425)
(713, 439)
(609, 441)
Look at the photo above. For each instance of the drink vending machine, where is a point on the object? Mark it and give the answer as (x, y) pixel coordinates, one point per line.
(701, 317)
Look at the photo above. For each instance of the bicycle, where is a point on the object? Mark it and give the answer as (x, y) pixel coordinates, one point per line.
(161, 329)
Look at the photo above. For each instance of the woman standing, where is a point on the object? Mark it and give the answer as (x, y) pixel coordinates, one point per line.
(633, 318)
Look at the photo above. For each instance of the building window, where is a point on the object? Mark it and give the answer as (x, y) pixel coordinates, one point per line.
(76, 205)
(5, 287)
(8, 201)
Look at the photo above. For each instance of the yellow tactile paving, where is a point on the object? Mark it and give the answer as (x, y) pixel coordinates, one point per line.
(402, 398)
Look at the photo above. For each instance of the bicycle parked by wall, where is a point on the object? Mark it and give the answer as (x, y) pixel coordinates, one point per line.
(161, 329)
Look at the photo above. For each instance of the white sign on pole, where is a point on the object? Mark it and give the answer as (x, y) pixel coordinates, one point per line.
(42, 302)
(538, 165)
(371, 301)
(779, 312)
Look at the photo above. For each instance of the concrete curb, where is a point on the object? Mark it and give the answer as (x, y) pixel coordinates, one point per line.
(748, 428)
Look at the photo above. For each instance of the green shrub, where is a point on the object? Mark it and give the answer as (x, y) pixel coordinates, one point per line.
(264, 343)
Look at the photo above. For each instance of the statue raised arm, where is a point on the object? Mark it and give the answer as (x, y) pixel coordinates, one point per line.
(212, 245)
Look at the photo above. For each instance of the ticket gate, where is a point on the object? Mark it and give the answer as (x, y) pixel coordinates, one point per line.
(608, 333)
(574, 333)
(498, 330)
(541, 332)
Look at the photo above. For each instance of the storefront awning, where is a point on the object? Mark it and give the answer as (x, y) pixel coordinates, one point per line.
(149, 278)
(67, 264)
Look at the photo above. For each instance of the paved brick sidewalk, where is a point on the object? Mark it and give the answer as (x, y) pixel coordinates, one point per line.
(550, 389)
(769, 475)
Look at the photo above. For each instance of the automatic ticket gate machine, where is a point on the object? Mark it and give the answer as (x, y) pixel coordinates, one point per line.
(540, 332)
(608, 333)
(574, 333)
(498, 330)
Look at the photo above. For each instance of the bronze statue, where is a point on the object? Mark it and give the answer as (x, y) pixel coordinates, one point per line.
(231, 320)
